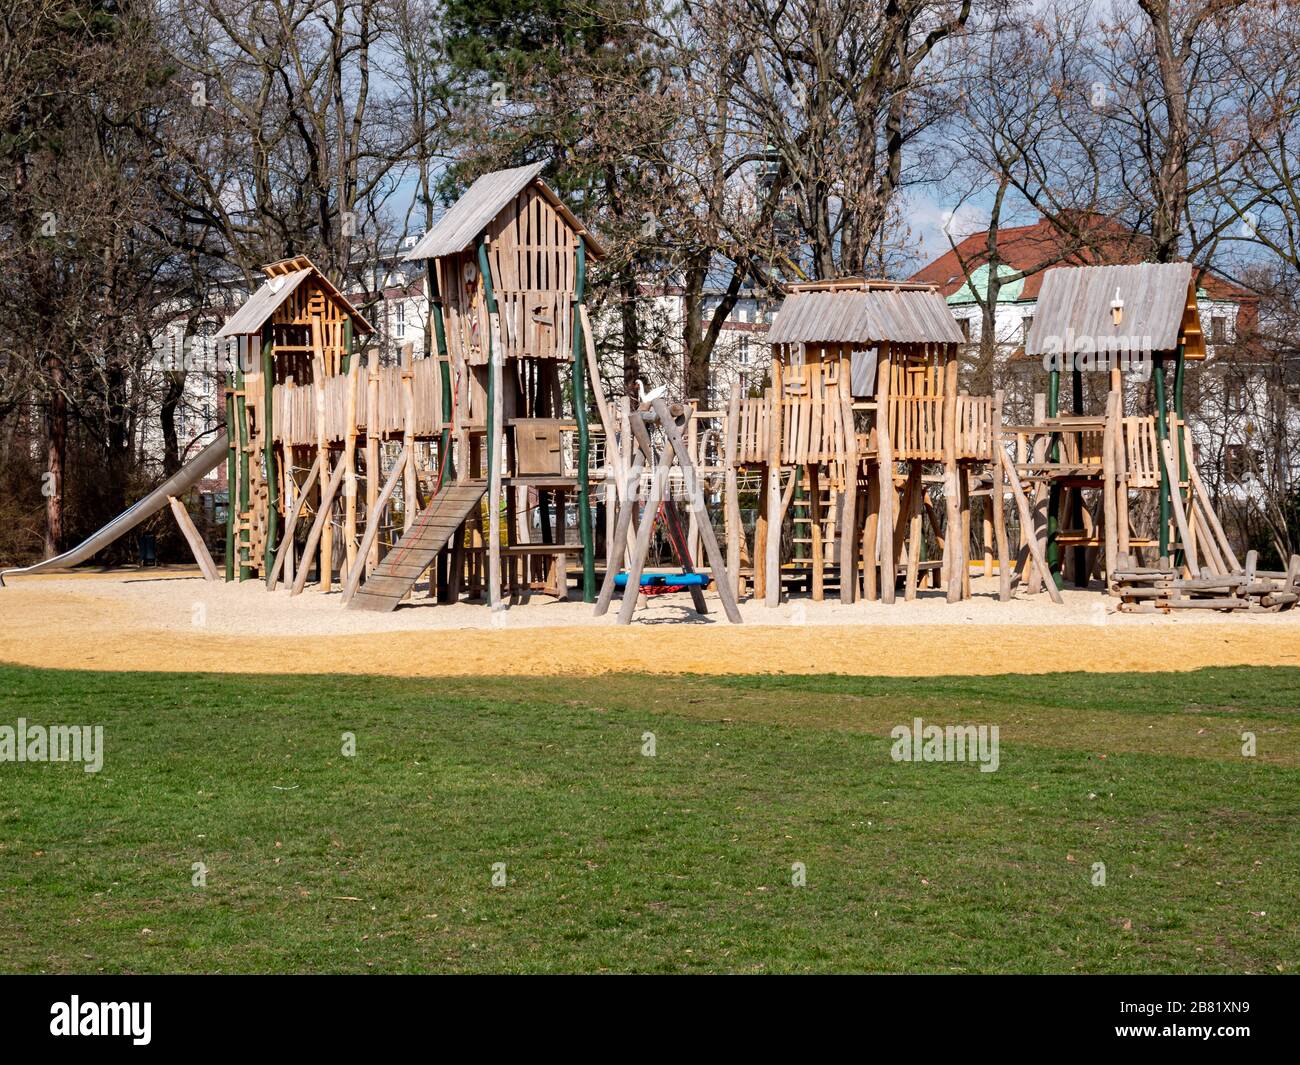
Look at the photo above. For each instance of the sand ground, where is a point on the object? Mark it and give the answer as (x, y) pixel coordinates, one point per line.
(171, 620)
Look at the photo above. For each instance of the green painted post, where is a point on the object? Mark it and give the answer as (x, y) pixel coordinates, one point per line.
(584, 439)
(491, 301)
(1054, 492)
(268, 449)
(233, 436)
(1162, 433)
(1180, 365)
(1076, 505)
(241, 418)
(444, 369)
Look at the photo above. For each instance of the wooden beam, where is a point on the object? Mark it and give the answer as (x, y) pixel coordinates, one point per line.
(370, 539)
(199, 549)
(1027, 524)
(318, 529)
(286, 541)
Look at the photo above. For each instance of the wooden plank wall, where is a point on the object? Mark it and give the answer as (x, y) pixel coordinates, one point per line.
(295, 407)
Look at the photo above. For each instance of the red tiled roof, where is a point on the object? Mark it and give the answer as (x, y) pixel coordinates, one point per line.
(1041, 246)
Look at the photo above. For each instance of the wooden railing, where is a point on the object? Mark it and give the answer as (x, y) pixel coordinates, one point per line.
(975, 428)
(295, 406)
(813, 429)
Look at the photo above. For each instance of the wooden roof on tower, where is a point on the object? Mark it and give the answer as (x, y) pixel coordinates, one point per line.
(282, 279)
(465, 220)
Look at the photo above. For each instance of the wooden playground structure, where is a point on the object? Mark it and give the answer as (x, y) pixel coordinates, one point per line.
(492, 466)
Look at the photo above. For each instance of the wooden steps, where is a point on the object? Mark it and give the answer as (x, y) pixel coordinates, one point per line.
(416, 550)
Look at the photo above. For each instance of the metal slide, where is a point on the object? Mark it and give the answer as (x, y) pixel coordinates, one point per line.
(180, 481)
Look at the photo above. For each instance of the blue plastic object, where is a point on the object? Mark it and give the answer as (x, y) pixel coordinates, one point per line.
(682, 580)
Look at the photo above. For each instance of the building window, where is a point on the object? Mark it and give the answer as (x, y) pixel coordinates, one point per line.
(742, 349)
(1026, 324)
(1234, 392)
(965, 329)
(1236, 463)
(399, 319)
(1218, 329)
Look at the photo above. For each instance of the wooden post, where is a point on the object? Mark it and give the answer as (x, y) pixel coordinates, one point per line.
(1110, 510)
(772, 548)
(369, 539)
(953, 541)
(618, 544)
(319, 526)
(495, 427)
(245, 496)
(350, 466)
(585, 535)
(632, 590)
(884, 546)
(915, 496)
(849, 546)
(268, 447)
(232, 477)
(200, 550)
(325, 526)
(717, 565)
(870, 533)
(410, 484)
(731, 489)
(284, 556)
(1176, 502)
(997, 501)
(1027, 523)
(372, 453)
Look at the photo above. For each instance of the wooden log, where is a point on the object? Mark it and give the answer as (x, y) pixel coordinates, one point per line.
(322, 522)
(997, 500)
(731, 489)
(849, 548)
(1026, 519)
(370, 538)
(497, 422)
(325, 533)
(197, 547)
(372, 450)
(963, 478)
(870, 535)
(915, 511)
(815, 527)
(1199, 487)
(1176, 498)
(632, 589)
(618, 550)
(350, 466)
(885, 461)
(1110, 509)
(954, 547)
(717, 564)
(772, 556)
(286, 542)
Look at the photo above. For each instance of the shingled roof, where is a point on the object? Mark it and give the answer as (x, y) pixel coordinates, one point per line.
(1074, 312)
(283, 279)
(461, 225)
(868, 315)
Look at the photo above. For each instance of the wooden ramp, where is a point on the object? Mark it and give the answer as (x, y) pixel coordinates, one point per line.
(415, 551)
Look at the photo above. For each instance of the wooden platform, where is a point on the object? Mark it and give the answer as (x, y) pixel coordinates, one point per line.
(416, 550)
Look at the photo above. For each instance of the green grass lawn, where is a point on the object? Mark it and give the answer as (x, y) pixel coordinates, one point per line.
(615, 861)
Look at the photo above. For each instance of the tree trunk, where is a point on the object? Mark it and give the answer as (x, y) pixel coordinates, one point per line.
(56, 433)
